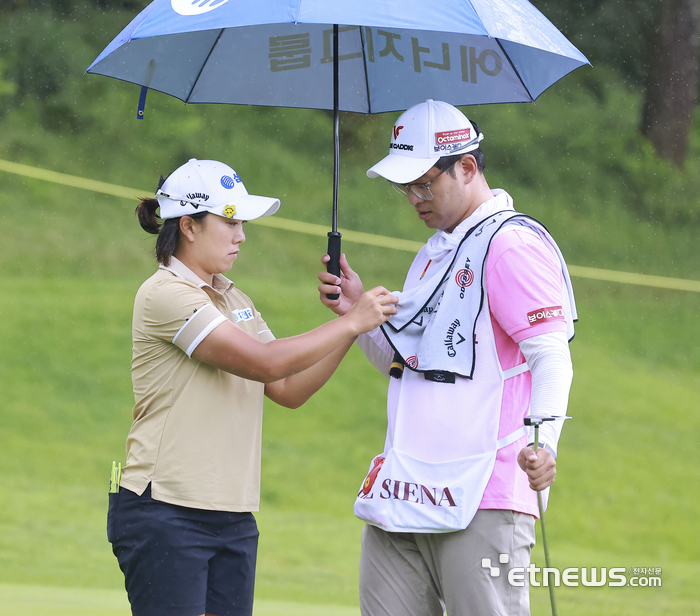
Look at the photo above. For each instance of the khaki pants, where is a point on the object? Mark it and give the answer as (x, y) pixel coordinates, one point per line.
(420, 574)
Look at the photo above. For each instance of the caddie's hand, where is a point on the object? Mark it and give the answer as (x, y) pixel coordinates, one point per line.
(348, 286)
(372, 309)
(540, 466)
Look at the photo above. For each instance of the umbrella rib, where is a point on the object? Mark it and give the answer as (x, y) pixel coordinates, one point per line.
(201, 70)
(520, 79)
(481, 21)
(364, 59)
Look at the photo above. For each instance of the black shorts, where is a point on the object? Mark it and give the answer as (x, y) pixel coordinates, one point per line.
(179, 561)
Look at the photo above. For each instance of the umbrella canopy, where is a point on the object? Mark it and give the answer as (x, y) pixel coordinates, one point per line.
(392, 55)
(367, 56)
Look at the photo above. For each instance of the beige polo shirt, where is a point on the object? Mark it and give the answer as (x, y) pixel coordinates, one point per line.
(196, 435)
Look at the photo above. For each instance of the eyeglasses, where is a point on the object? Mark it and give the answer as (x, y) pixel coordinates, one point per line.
(422, 191)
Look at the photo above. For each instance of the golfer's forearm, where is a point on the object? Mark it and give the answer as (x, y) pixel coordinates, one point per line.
(232, 350)
(290, 356)
(295, 390)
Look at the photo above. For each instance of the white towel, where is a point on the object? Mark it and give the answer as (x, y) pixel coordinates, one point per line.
(443, 242)
(434, 330)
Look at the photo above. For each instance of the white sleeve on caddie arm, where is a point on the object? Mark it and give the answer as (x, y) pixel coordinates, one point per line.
(550, 365)
(377, 349)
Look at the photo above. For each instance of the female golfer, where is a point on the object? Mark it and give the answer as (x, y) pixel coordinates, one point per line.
(180, 521)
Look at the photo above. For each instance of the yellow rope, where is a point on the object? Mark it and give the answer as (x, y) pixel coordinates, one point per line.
(358, 237)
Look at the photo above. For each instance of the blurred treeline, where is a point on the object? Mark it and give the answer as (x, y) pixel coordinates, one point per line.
(576, 159)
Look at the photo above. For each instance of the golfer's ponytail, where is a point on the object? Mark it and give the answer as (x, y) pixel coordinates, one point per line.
(168, 231)
(148, 219)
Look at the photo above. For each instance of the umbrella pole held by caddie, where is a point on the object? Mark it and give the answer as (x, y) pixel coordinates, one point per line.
(334, 236)
(536, 421)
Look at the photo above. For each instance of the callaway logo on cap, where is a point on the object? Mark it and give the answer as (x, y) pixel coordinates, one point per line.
(210, 186)
(423, 134)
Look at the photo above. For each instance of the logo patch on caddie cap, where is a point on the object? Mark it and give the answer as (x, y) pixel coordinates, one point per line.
(450, 136)
(553, 313)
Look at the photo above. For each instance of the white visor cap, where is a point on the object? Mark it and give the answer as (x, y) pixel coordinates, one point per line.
(210, 186)
(423, 134)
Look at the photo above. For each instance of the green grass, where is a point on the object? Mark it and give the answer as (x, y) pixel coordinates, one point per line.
(71, 260)
(55, 601)
(625, 496)
(627, 485)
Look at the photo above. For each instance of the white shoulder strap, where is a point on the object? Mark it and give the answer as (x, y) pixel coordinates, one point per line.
(515, 371)
(511, 438)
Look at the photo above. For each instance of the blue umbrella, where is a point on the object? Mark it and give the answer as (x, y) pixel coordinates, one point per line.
(367, 56)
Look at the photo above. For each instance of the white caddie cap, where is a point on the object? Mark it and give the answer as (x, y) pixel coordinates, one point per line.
(423, 134)
(210, 186)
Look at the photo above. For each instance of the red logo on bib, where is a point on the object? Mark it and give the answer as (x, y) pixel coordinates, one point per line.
(464, 278)
(372, 476)
(553, 313)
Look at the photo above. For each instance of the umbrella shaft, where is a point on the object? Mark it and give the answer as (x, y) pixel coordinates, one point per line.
(336, 129)
(333, 265)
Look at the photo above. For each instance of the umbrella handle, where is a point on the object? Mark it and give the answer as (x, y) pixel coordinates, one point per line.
(333, 266)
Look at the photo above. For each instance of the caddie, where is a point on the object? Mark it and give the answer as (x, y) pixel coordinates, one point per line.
(481, 340)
